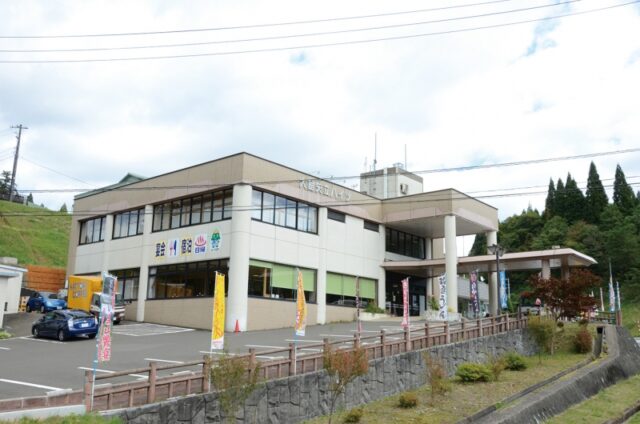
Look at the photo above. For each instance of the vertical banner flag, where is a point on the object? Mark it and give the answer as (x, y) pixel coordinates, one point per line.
(301, 308)
(217, 329)
(473, 281)
(503, 290)
(601, 301)
(405, 302)
(612, 296)
(443, 313)
(618, 290)
(359, 328)
(107, 304)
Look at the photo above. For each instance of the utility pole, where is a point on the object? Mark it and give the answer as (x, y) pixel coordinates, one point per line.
(15, 161)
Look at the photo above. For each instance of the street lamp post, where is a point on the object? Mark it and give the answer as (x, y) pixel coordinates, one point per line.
(497, 250)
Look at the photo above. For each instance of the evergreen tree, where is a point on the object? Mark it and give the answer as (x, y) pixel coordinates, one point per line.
(623, 196)
(5, 183)
(30, 198)
(479, 247)
(554, 233)
(63, 208)
(574, 201)
(559, 200)
(550, 202)
(597, 198)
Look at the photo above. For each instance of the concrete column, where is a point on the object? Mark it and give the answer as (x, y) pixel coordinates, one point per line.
(106, 244)
(566, 273)
(428, 249)
(321, 276)
(451, 261)
(147, 250)
(240, 240)
(382, 273)
(546, 269)
(492, 238)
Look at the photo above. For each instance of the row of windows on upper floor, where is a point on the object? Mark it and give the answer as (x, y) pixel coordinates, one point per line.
(217, 205)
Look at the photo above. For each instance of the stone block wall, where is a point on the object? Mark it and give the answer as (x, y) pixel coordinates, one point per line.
(295, 399)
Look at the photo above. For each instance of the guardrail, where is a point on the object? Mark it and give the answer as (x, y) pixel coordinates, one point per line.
(154, 387)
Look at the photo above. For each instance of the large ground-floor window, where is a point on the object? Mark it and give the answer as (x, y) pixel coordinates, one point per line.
(275, 281)
(341, 290)
(194, 279)
(128, 282)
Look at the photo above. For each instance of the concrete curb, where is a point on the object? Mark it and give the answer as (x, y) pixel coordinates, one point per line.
(622, 362)
(630, 412)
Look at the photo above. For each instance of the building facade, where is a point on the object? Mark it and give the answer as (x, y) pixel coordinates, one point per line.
(258, 222)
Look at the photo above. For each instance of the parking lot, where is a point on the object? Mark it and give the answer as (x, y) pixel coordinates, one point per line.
(32, 367)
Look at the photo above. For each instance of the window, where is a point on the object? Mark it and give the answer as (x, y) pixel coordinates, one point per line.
(128, 283)
(372, 226)
(193, 211)
(284, 212)
(275, 281)
(405, 244)
(194, 279)
(342, 290)
(336, 216)
(127, 224)
(92, 230)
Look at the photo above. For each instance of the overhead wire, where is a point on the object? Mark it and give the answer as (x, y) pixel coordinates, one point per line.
(289, 36)
(319, 45)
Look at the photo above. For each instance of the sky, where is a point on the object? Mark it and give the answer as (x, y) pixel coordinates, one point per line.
(452, 88)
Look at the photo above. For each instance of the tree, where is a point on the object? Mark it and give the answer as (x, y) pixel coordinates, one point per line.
(559, 200)
(30, 198)
(63, 208)
(518, 232)
(479, 247)
(554, 233)
(550, 202)
(596, 198)
(623, 196)
(235, 378)
(574, 206)
(5, 183)
(343, 367)
(567, 298)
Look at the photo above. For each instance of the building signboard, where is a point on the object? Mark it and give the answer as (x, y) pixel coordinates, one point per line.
(325, 190)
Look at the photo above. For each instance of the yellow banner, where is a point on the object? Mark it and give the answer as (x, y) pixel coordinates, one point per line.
(217, 328)
(301, 308)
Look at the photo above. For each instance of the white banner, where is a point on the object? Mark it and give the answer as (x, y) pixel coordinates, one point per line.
(443, 313)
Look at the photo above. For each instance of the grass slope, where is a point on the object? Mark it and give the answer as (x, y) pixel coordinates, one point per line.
(35, 236)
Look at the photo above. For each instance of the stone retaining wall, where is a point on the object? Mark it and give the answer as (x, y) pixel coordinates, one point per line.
(295, 399)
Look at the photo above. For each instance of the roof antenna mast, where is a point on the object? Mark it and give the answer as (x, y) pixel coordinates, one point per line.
(375, 150)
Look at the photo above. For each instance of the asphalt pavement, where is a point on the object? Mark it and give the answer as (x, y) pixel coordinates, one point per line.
(33, 367)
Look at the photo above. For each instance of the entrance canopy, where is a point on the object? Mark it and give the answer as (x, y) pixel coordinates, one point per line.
(520, 261)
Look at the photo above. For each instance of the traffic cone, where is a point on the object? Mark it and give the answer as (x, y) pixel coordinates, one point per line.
(237, 330)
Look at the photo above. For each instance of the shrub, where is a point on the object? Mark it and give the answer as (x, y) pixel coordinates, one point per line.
(514, 361)
(583, 322)
(372, 308)
(543, 331)
(353, 416)
(437, 376)
(560, 324)
(582, 342)
(408, 400)
(4, 335)
(433, 303)
(230, 377)
(496, 365)
(469, 372)
(343, 367)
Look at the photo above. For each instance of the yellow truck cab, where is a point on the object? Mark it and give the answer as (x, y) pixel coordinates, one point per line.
(85, 293)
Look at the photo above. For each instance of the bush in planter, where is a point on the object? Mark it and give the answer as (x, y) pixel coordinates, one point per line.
(372, 308)
(470, 372)
(514, 361)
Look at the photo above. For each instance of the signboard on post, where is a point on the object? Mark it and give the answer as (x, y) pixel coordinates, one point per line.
(217, 328)
(301, 308)
(405, 302)
(443, 314)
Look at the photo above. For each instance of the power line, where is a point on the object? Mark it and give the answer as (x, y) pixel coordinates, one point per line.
(319, 45)
(54, 171)
(289, 36)
(330, 179)
(311, 21)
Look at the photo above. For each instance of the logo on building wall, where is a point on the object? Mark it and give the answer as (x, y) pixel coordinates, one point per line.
(216, 239)
(174, 247)
(186, 246)
(200, 244)
(161, 249)
(325, 190)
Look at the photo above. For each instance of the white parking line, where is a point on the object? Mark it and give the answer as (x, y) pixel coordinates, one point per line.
(31, 338)
(348, 336)
(310, 349)
(269, 357)
(23, 383)
(304, 341)
(139, 376)
(163, 360)
(266, 346)
(5, 348)
(206, 352)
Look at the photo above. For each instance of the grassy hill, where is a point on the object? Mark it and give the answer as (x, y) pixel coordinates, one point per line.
(35, 236)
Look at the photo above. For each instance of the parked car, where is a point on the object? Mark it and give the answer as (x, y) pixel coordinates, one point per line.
(65, 324)
(45, 302)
